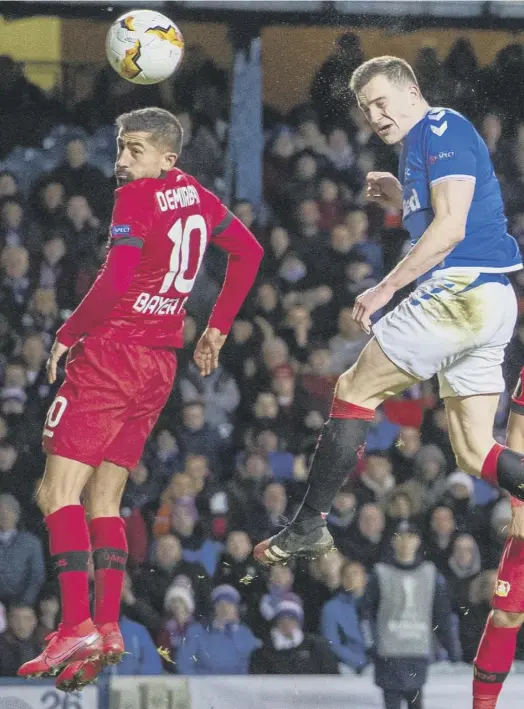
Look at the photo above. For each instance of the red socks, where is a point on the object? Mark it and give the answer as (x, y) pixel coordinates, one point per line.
(108, 539)
(492, 664)
(341, 409)
(69, 547)
(489, 467)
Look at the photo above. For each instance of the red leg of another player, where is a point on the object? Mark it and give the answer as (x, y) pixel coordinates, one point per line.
(497, 646)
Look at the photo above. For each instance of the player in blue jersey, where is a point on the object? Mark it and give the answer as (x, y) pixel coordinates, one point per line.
(456, 323)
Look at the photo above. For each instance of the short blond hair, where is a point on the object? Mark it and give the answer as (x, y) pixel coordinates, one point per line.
(395, 69)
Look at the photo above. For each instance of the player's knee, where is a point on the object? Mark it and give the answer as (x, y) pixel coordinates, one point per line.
(102, 509)
(48, 499)
(53, 494)
(505, 619)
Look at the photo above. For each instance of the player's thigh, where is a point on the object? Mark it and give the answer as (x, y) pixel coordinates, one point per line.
(470, 425)
(103, 492)
(478, 369)
(373, 378)
(62, 483)
(158, 375)
(421, 334)
(88, 410)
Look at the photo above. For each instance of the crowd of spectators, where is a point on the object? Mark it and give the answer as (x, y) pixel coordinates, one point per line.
(227, 464)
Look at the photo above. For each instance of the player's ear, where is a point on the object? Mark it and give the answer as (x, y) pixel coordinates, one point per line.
(169, 161)
(414, 93)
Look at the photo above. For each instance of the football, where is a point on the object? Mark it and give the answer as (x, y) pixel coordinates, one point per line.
(144, 47)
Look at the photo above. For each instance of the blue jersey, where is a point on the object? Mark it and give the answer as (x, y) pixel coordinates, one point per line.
(445, 146)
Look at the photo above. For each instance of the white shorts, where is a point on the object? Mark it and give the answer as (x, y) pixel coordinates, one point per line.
(455, 325)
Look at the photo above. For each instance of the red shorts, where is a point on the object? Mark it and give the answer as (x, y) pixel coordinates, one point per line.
(110, 400)
(517, 400)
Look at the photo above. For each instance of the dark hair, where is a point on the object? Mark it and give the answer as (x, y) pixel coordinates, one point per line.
(164, 128)
(395, 69)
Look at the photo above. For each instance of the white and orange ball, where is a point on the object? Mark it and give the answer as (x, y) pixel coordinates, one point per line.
(144, 47)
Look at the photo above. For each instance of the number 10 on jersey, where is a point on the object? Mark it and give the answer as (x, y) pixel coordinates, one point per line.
(183, 248)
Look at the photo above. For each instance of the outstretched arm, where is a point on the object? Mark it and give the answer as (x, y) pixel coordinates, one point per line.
(245, 255)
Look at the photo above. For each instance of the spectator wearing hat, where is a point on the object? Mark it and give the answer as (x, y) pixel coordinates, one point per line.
(179, 605)
(404, 600)
(459, 495)
(279, 587)
(291, 652)
(340, 622)
(152, 579)
(21, 557)
(224, 646)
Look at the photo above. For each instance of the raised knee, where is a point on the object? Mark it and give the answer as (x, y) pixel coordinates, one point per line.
(505, 619)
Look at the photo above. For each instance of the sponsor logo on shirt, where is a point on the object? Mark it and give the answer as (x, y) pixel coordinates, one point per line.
(444, 155)
(120, 230)
(411, 204)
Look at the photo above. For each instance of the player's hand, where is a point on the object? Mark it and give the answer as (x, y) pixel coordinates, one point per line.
(207, 350)
(384, 189)
(58, 350)
(369, 302)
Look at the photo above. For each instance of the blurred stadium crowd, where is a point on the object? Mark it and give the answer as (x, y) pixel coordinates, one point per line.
(228, 461)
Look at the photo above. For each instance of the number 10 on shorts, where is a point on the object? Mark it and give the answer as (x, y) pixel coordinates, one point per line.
(55, 413)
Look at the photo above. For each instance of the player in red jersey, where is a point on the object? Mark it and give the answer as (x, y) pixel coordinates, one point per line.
(496, 650)
(119, 374)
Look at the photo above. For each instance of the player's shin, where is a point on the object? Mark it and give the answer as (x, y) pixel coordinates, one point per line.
(69, 547)
(108, 539)
(497, 646)
(492, 664)
(505, 468)
(340, 443)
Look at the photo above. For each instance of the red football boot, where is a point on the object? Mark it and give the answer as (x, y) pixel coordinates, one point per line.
(80, 643)
(77, 675)
(113, 643)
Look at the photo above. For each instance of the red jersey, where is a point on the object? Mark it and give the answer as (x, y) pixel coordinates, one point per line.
(170, 220)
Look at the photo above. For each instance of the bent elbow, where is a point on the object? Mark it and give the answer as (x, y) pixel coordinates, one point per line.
(459, 234)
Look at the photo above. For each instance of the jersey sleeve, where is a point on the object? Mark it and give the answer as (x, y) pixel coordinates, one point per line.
(132, 213)
(450, 148)
(218, 216)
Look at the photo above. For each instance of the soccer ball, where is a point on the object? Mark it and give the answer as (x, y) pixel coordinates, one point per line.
(144, 47)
